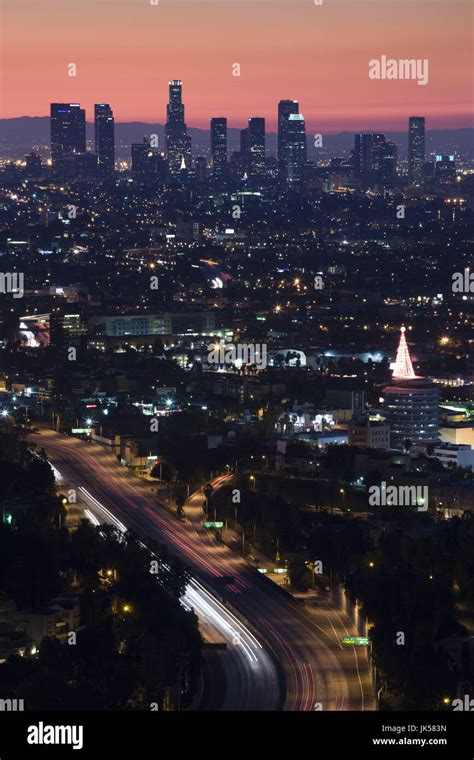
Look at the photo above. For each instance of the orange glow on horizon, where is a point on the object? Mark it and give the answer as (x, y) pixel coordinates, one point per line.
(126, 51)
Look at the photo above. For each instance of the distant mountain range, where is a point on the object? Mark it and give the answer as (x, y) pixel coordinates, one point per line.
(22, 134)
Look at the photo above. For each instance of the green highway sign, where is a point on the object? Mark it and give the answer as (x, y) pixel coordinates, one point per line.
(358, 641)
(207, 524)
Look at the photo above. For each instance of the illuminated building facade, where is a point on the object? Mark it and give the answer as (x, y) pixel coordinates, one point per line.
(104, 139)
(178, 142)
(411, 402)
(416, 148)
(68, 136)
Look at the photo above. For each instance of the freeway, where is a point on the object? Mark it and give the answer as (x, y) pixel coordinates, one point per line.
(318, 673)
(241, 678)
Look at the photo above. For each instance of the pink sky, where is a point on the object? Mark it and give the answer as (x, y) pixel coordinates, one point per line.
(127, 50)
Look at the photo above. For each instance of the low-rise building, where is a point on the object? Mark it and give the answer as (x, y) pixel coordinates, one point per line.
(368, 432)
(458, 455)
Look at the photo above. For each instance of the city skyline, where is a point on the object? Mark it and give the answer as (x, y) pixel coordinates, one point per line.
(236, 370)
(119, 61)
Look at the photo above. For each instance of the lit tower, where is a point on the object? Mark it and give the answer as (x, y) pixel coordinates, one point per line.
(104, 139)
(178, 142)
(219, 146)
(285, 109)
(416, 148)
(411, 402)
(68, 136)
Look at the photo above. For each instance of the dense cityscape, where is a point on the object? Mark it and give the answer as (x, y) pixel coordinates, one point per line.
(236, 414)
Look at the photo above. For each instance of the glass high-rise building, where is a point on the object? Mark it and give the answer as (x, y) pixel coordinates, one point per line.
(178, 142)
(104, 139)
(416, 148)
(295, 151)
(285, 109)
(219, 145)
(384, 162)
(256, 145)
(68, 136)
(365, 151)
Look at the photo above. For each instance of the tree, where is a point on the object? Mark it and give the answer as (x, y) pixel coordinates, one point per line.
(180, 502)
(299, 574)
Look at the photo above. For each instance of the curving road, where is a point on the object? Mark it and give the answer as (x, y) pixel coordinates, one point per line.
(318, 672)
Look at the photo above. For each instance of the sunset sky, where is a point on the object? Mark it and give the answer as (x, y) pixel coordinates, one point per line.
(127, 50)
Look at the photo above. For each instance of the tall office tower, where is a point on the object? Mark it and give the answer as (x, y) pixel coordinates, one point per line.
(256, 145)
(416, 148)
(68, 136)
(178, 142)
(219, 146)
(365, 145)
(384, 163)
(411, 402)
(104, 139)
(295, 149)
(285, 109)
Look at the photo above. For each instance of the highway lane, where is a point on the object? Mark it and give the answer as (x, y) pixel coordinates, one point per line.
(245, 677)
(343, 677)
(319, 673)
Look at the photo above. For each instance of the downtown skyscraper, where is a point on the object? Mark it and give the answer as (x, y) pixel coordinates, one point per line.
(104, 139)
(68, 136)
(219, 146)
(292, 148)
(365, 151)
(416, 148)
(178, 142)
(256, 146)
(285, 109)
